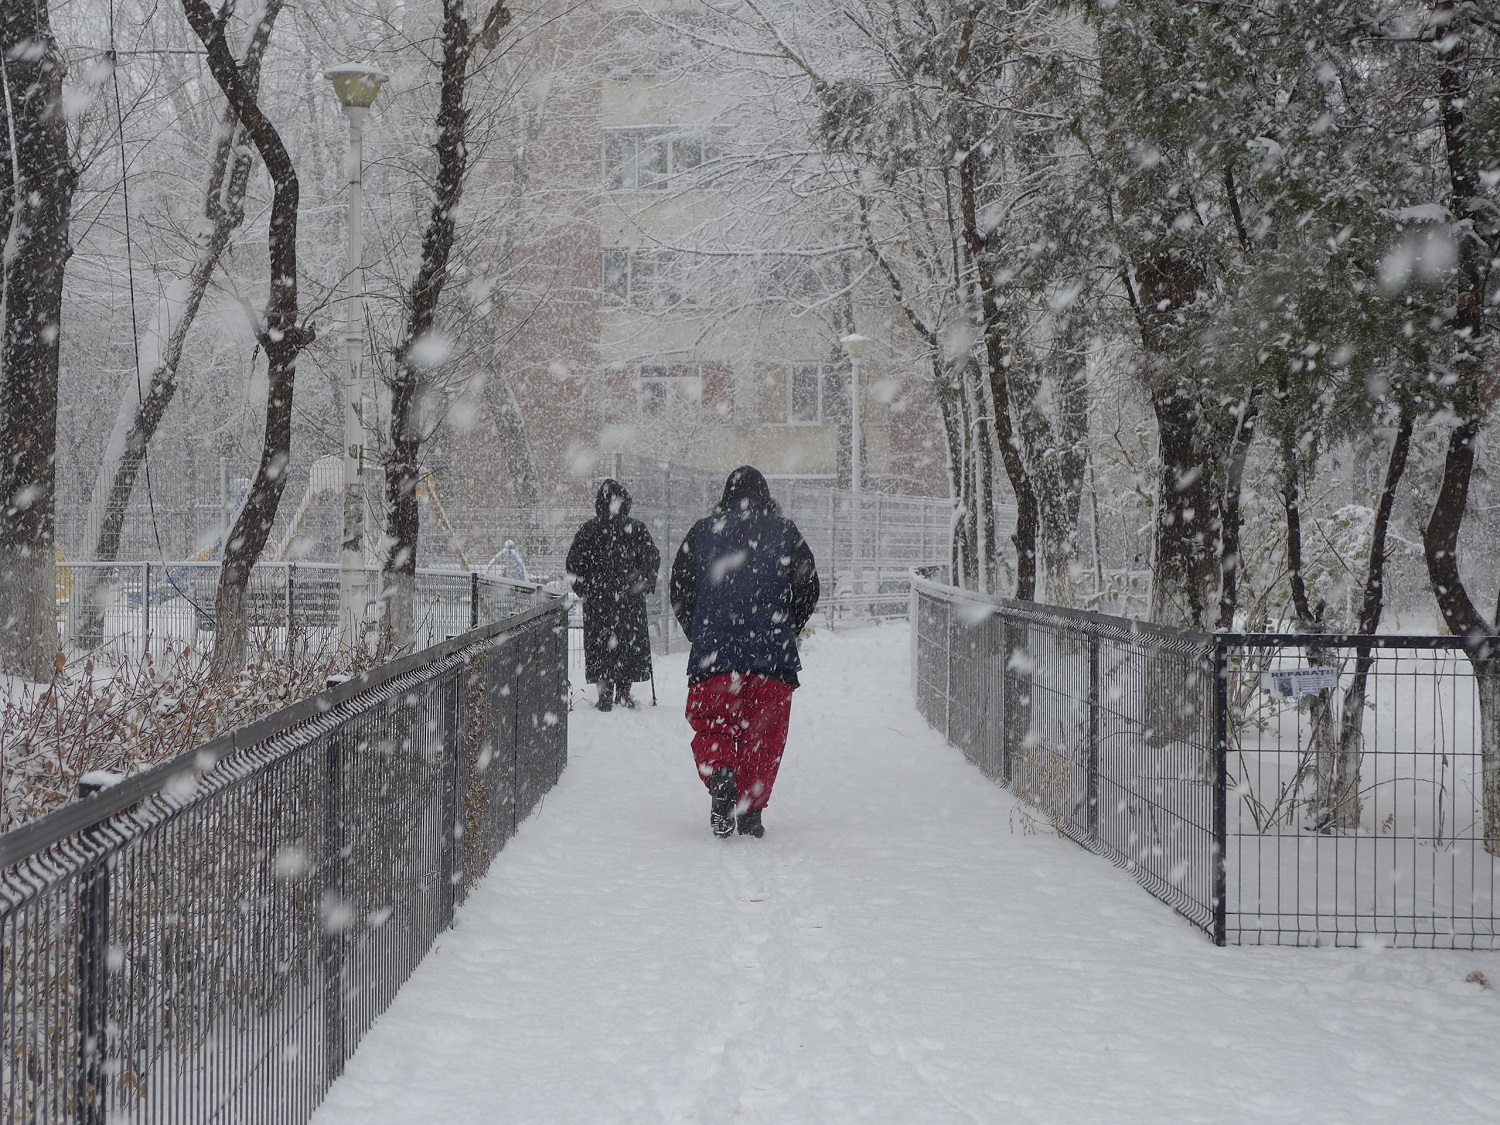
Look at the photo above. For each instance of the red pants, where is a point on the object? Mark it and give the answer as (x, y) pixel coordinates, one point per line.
(740, 724)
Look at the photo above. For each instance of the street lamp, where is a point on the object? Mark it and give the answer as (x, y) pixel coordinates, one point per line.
(356, 86)
(855, 347)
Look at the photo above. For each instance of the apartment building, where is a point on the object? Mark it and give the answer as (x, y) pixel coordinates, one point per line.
(686, 299)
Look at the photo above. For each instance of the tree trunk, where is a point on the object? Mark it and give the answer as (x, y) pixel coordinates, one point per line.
(966, 534)
(1487, 688)
(1344, 781)
(1440, 538)
(1229, 519)
(36, 198)
(981, 451)
(961, 529)
(1186, 579)
(998, 405)
(409, 379)
(1055, 450)
(281, 337)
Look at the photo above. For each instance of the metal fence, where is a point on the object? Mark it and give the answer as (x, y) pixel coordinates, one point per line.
(210, 940)
(1272, 789)
(141, 606)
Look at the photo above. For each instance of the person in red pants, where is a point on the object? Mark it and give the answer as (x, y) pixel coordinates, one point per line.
(744, 584)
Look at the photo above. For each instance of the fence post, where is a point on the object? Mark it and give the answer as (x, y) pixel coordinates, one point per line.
(92, 969)
(669, 555)
(833, 549)
(948, 674)
(333, 890)
(1093, 735)
(914, 619)
(291, 611)
(452, 743)
(473, 599)
(1006, 762)
(145, 608)
(1221, 791)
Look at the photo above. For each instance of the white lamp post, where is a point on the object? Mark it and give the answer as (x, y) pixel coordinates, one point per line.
(356, 86)
(855, 347)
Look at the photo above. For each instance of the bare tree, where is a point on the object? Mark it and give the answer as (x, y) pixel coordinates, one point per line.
(281, 336)
(230, 165)
(409, 378)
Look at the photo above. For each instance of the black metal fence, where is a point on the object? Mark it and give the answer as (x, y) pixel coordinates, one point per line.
(1273, 789)
(210, 940)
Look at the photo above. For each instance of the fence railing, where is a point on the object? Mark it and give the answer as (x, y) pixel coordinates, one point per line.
(210, 940)
(1292, 790)
(144, 606)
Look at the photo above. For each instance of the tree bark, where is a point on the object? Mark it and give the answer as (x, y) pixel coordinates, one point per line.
(281, 337)
(36, 197)
(1055, 450)
(1230, 518)
(1187, 575)
(961, 529)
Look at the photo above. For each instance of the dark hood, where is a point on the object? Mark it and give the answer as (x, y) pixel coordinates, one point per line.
(611, 500)
(746, 489)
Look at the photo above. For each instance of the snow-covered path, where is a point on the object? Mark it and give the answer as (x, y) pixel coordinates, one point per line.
(897, 949)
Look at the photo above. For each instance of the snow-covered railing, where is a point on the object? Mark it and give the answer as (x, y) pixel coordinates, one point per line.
(1273, 789)
(210, 940)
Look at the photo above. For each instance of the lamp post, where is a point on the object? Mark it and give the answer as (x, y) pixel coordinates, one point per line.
(356, 86)
(855, 347)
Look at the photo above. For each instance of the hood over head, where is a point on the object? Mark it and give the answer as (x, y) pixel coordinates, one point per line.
(746, 489)
(612, 500)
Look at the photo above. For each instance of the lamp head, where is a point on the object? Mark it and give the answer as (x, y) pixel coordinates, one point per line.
(856, 345)
(356, 84)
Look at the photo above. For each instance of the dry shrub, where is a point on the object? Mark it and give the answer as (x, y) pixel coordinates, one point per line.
(125, 714)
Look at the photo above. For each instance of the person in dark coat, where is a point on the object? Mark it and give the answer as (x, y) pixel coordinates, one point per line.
(612, 565)
(744, 584)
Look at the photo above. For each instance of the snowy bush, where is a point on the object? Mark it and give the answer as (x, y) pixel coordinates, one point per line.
(124, 714)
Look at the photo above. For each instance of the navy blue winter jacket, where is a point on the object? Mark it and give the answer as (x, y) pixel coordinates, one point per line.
(744, 583)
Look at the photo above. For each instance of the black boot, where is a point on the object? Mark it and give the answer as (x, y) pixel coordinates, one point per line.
(606, 696)
(722, 789)
(749, 824)
(623, 696)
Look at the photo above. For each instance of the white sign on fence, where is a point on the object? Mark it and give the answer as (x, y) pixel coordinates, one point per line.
(1296, 682)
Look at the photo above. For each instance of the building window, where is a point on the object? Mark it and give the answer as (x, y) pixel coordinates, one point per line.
(636, 278)
(804, 394)
(702, 392)
(645, 158)
(667, 390)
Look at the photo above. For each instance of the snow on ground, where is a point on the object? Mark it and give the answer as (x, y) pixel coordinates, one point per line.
(896, 949)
